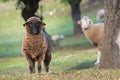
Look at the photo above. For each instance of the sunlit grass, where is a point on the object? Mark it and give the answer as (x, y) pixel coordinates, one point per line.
(72, 65)
(61, 61)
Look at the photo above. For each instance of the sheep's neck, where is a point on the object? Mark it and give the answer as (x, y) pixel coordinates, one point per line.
(35, 39)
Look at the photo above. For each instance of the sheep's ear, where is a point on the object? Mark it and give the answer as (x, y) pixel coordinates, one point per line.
(43, 24)
(79, 22)
(24, 25)
(90, 22)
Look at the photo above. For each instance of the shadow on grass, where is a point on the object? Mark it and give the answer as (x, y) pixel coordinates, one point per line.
(84, 65)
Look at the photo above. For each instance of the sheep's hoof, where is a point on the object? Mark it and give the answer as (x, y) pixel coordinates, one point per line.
(49, 72)
(97, 63)
(32, 72)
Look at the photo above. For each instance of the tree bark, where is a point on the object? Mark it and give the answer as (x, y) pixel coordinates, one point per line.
(111, 43)
(30, 8)
(75, 12)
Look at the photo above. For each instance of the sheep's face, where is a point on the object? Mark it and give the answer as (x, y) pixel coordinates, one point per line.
(85, 22)
(34, 26)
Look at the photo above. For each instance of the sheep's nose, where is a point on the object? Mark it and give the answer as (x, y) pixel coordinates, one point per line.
(34, 31)
(85, 26)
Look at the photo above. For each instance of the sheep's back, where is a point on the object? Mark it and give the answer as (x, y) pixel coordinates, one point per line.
(49, 43)
(95, 33)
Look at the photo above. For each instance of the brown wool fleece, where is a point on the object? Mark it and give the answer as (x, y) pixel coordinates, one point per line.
(34, 45)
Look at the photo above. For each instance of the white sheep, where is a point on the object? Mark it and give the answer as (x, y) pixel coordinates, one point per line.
(56, 38)
(53, 12)
(100, 15)
(94, 33)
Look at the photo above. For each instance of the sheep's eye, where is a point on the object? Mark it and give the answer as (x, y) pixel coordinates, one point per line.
(30, 23)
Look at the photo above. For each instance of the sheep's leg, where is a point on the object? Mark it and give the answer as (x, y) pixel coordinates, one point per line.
(57, 43)
(53, 43)
(31, 63)
(41, 58)
(39, 65)
(39, 68)
(32, 67)
(47, 62)
(98, 58)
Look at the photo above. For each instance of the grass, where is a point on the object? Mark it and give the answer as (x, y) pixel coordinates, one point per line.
(59, 57)
(72, 65)
(74, 60)
(59, 26)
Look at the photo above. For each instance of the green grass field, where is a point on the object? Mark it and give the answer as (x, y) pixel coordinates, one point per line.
(74, 60)
(12, 31)
(65, 65)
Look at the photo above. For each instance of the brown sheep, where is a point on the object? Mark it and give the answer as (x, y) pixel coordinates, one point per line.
(36, 45)
(94, 33)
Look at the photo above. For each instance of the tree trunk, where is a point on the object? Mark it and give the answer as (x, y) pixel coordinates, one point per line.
(75, 12)
(111, 43)
(30, 8)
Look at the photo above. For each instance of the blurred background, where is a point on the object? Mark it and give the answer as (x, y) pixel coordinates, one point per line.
(60, 17)
(73, 57)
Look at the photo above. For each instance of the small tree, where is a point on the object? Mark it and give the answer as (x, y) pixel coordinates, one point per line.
(111, 42)
(29, 8)
(75, 13)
